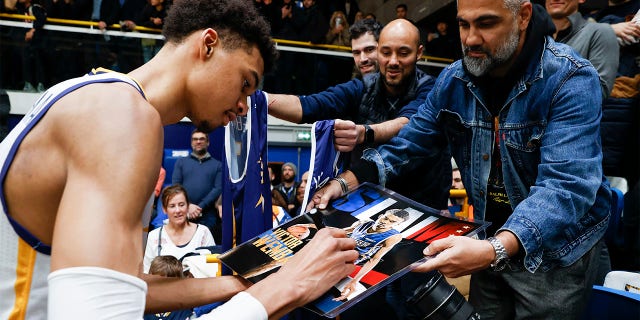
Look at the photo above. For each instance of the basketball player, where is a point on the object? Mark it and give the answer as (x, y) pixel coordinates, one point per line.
(79, 168)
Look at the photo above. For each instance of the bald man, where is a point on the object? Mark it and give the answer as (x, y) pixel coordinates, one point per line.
(370, 111)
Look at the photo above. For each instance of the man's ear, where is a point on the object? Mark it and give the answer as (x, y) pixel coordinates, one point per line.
(524, 16)
(210, 40)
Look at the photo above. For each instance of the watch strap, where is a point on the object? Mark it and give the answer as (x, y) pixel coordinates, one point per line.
(502, 257)
(369, 134)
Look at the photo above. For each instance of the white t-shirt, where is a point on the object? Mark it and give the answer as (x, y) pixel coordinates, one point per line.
(201, 238)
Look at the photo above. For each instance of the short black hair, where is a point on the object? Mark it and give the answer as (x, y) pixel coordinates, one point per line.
(236, 21)
(403, 6)
(363, 26)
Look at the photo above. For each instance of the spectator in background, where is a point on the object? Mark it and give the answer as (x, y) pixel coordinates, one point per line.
(178, 237)
(443, 44)
(152, 16)
(338, 33)
(300, 195)
(33, 59)
(168, 266)
(201, 176)
(594, 41)
(312, 25)
(401, 11)
(371, 16)
(359, 16)
(456, 183)
(282, 27)
(129, 48)
(288, 185)
(365, 34)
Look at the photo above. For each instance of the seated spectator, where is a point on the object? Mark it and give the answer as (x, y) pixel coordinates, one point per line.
(179, 236)
(168, 266)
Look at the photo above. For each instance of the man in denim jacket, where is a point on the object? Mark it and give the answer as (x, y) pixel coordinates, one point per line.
(521, 116)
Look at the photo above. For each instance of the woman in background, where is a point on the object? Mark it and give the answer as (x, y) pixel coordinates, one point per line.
(179, 236)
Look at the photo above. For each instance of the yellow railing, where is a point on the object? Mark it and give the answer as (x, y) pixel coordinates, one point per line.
(462, 194)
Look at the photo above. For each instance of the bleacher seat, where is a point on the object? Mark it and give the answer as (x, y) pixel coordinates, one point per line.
(169, 161)
(608, 303)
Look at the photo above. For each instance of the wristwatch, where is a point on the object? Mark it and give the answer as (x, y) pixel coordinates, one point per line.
(501, 254)
(369, 134)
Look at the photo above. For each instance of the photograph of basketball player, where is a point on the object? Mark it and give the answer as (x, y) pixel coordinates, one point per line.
(373, 240)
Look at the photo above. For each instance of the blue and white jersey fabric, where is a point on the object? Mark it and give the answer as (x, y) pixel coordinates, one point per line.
(368, 244)
(246, 193)
(24, 260)
(325, 162)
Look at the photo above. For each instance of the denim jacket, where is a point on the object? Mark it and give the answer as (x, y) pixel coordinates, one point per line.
(549, 129)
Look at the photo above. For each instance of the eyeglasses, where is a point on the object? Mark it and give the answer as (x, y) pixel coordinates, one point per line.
(199, 139)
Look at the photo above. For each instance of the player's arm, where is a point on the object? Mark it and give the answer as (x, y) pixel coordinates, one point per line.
(166, 294)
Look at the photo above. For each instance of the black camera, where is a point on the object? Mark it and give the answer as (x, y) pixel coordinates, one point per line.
(438, 300)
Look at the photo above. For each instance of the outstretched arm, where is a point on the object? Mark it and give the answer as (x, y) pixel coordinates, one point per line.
(286, 107)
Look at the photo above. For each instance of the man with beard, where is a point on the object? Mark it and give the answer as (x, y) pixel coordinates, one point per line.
(201, 175)
(375, 108)
(526, 139)
(288, 186)
(365, 34)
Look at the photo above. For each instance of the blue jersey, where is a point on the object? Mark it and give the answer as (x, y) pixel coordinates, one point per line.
(246, 192)
(368, 244)
(325, 162)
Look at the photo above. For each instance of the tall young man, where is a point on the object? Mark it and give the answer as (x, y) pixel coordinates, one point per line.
(79, 168)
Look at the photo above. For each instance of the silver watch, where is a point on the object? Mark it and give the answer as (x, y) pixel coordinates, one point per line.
(501, 254)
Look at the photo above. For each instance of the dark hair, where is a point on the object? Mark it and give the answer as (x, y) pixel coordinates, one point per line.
(200, 131)
(169, 192)
(166, 266)
(236, 21)
(363, 26)
(403, 6)
(400, 213)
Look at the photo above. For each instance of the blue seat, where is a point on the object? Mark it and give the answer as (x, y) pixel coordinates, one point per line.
(614, 237)
(607, 303)
(169, 161)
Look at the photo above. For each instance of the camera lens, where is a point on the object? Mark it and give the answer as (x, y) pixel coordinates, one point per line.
(438, 300)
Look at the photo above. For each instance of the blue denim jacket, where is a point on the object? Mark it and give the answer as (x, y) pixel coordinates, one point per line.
(550, 150)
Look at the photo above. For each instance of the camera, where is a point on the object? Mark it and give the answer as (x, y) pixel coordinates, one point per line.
(438, 300)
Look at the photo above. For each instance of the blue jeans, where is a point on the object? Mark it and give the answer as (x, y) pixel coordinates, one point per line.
(561, 293)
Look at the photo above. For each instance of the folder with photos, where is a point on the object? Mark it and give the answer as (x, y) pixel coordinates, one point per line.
(391, 232)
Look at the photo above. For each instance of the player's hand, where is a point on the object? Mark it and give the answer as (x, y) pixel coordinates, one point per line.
(456, 256)
(312, 271)
(345, 135)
